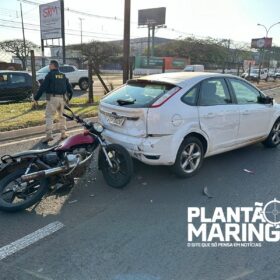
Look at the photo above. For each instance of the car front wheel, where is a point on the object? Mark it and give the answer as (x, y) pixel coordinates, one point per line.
(273, 139)
(189, 158)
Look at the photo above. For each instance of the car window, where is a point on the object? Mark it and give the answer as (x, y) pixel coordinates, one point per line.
(45, 69)
(3, 79)
(17, 78)
(66, 69)
(139, 94)
(214, 92)
(191, 96)
(245, 93)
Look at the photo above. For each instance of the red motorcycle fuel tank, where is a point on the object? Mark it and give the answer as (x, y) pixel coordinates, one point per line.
(75, 140)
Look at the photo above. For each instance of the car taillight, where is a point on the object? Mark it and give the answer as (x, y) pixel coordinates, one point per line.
(165, 97)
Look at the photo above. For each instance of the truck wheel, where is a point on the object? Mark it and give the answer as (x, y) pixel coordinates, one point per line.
(83, 84)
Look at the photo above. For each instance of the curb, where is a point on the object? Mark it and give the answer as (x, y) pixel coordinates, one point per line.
(36, 130)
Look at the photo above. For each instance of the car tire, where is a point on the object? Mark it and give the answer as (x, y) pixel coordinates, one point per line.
(84, 84)
(189, 158)
(273, 139)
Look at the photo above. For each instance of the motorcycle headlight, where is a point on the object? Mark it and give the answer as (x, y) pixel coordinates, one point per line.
(98, 127)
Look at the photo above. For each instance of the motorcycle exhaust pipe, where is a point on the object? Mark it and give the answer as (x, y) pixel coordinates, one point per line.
(45, 173)
(52, 171)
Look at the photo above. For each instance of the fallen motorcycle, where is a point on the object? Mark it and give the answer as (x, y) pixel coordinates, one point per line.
(27, 176)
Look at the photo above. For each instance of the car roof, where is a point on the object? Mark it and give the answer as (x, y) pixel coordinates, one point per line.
(182, 79)
(12, 71)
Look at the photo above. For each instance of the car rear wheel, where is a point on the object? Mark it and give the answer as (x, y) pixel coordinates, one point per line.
(84, 84)
(273, 139)
(189, 158)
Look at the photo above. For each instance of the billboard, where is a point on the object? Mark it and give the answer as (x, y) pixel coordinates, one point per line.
(50, 20)
(155, 16)
(260, 43)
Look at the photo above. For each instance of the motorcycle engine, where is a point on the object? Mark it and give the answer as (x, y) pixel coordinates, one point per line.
(51, 159)
(80, 151)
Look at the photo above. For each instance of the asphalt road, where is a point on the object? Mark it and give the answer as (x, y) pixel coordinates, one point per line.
(140, 232)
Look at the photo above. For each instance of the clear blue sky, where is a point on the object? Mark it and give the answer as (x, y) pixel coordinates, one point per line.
(234, 19)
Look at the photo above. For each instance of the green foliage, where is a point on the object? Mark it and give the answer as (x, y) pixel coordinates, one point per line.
(209, 51)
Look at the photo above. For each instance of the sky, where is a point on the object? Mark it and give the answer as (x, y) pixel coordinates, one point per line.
(228, 19)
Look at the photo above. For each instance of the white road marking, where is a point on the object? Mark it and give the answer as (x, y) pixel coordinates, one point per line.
(32, 139)
(29, 239)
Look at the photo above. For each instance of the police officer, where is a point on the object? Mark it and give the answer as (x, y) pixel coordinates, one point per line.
(58, 91)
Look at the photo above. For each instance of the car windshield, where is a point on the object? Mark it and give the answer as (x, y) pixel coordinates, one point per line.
(189, 69)
(254, 71)
(137, 94)
(44, 70)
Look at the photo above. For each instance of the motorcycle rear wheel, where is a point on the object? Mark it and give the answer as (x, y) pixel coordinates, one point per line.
(120, 175)
(13, 201)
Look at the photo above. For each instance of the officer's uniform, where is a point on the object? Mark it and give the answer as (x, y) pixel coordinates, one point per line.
(58, 90)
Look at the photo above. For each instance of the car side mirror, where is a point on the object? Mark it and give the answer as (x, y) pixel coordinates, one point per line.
(265, 100)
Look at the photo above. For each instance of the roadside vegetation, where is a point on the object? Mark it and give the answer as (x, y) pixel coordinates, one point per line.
(21, 115)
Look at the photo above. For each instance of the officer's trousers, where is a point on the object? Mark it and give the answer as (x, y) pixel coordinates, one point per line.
(55, 104)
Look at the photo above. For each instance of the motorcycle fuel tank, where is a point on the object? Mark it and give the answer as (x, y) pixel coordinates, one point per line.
(75, 140)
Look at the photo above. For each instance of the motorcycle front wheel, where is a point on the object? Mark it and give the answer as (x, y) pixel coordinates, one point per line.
(120, 174)
(16, 195)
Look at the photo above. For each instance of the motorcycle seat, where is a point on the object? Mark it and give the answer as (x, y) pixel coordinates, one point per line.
(32, 152)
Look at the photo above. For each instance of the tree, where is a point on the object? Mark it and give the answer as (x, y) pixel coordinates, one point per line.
(210, 52)
(100, 52)
(17, 48)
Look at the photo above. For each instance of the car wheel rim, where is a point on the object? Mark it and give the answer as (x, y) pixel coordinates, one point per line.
(276, 133)
(84, 84)
(190, 158)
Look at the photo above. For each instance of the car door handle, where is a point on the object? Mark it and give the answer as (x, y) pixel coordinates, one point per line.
(246, 112)
(209, 115)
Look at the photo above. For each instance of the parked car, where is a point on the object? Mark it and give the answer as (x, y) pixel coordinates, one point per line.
(194, 68)
(75, 76)
(178, 119)
(15, 85)
(254, 74)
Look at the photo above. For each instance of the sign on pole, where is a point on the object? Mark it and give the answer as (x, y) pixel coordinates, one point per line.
(155, 16)
(50, 20)
(261, 43)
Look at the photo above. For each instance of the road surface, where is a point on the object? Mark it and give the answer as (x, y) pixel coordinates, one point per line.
(140, 232)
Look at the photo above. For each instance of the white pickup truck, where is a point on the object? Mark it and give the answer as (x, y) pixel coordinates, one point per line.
(75, 76)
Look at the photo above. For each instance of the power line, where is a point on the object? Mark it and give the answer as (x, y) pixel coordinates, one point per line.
(67, 33)
(78, 12)
(68, 29)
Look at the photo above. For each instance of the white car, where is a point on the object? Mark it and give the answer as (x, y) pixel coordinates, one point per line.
(194, 68)
(254, 74)
(178, 119)
(75, 76)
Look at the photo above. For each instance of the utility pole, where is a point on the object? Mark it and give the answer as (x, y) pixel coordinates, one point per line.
(23, 37)
(62, 31)
(126, 40)
(153, 40)
(81, 26)
(149, 49)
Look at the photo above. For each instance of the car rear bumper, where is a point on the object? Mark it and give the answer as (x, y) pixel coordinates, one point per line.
(150, 150)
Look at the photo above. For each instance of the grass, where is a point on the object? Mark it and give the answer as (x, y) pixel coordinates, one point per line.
(21, 115)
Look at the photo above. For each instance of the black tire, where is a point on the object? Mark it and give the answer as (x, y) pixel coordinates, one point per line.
(183, 157)
(273, 139)
(120, 175)
(84, 84)
(11, 207)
